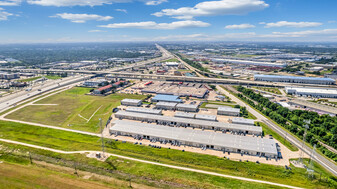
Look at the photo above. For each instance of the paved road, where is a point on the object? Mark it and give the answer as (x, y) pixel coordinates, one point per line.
(332, 167)
(154, 163)
(11, 100)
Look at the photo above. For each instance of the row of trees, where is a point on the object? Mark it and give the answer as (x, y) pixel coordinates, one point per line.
(321, 128)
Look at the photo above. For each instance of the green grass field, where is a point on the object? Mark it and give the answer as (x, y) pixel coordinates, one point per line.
(70, 141)
(30, 79)
(269, 131)
(52, 77)
(269, 89)
(172, 60)
(73, 109)
(16, 171)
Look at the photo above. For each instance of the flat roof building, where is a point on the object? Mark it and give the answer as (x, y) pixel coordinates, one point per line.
(197, 138)
(313, 92)
(186, 122)
(205, 117)
(225, 110)
(166, 105)
(187, 107)
(131, 102)
(293, 79)
(144, 110)
(185, 115)
(239, 120)
(166, 98)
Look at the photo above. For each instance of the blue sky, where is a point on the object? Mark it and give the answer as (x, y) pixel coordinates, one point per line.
(29, 21)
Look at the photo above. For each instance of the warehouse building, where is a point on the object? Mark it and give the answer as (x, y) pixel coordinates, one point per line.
(166, 105)
(205, 117)
(131, 102)
(144, 110)
(293, 79)
(229, 111)
(212, 140)
(313, 92)
(166, 98)
(184, 115)
(187, 107)
(249, 62)
(194, 123)
(239, 120)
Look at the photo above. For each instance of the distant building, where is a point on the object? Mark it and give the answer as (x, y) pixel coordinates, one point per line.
(166, 98)
(131, 102)
(313, 92)
(166, 105)
(225, 110)
(293, 79)
(103, 90)
(187, 107)
(94, 83)
(239, 120)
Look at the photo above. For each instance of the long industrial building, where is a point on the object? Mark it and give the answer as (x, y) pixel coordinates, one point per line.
(196, 138)
(185, 122)
(293, 79)
(249, 62)
(144, 110)
(313, 92)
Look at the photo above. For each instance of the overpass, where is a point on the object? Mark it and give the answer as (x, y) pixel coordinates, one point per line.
(128, 75)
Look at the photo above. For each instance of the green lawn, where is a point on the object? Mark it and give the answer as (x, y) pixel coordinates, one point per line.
(172, 60)
(269, 89)
(52, 77)
(269, 131)
(71, 105)
(20, 174)
(217, 103)
(70, 141)
(30, 79)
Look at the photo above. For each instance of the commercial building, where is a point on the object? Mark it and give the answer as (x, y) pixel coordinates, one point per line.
(205, 117)
(184, 115)
(94, 82)
(229, 111)
(166, 98)
(239, 120)
(131, 102)
(187, 107)
(248, 62)
(186, 122)
(293, 79)
(103, 90)
(312, 92)
(197, 138)
(166, 105)
(144, 110)
(8, 76)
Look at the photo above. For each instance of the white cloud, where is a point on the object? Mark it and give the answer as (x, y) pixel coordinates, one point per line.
(121, 10)
(4, 15)
(82, 18)
(210, 8)
(154, 25)
(10, 2)
(96, 31)
(240, 26)
(155, 2)
(331, 21)
(65, 3)
(291, 24)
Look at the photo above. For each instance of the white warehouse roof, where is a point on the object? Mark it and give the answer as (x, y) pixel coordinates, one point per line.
(239, 120)
(228, 109)
(144, 110)
(245, 143)
(184, 114)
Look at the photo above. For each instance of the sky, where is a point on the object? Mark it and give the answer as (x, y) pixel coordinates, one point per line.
(58, 21)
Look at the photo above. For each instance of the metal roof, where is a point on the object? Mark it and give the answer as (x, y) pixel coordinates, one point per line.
(205, 117)
(192, 122)
(131, 100)
(243, 120)
(245, 143)
(228, 109)
(313, 90)
(170, 104)
(184, 114)
(144, 110)
(193, 106)
(294, 77)
(167, 98)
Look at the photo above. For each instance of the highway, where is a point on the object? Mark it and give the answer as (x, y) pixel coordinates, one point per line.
(326, 163)
(10, 100)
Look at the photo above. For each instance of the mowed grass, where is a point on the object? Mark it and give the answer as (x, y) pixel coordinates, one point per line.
(52, 77)
(70, 106)
(30, 79)
(69, 141)
(17, 172)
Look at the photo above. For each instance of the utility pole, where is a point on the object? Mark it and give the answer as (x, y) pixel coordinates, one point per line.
(307, 122)
(102, 137)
